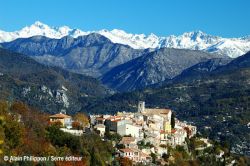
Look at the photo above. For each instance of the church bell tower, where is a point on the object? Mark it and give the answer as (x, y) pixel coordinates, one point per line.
(141, 106)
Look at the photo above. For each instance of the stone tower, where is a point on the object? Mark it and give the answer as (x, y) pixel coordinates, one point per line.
(63, 111)
(141, 106)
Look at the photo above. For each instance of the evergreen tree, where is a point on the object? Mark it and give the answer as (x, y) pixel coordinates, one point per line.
(173, 120)
(96, 158)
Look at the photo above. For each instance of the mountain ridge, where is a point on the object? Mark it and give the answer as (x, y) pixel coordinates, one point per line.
(118, 66)
(50, 89)
(196, 40)
(92, 54)
(153, 68)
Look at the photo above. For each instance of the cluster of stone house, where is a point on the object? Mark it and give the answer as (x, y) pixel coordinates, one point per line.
(132, 151)
(150, 125)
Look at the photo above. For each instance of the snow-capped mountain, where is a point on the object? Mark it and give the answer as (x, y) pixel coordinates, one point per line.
(137, 41)
(233, 47)
(196, 40)
(39, 28)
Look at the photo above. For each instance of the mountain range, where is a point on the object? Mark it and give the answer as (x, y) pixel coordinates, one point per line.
(154, 68)
(91, 55)
(114, 56)
(118, 66)
(196, 40)
(51, 89)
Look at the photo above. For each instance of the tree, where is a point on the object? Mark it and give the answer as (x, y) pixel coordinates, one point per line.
(113, 136)
(76, 125)
(58, 124)
(96, 158)
(165, 156)
(124, 161)
(153, 155)
(82, 119)
(63, 151)
(19, 108)
(60, 138)
(173, 120)
(14, 132)
(2, 137)
(3, 108)
(120, 146)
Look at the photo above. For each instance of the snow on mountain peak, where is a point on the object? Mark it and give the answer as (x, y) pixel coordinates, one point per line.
(40, 24)
(195, 40)
(39, 28)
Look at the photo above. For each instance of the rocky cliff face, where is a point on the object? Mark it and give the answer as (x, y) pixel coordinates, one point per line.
(50, 89)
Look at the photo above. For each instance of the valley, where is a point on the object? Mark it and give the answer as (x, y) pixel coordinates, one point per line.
(205, 81)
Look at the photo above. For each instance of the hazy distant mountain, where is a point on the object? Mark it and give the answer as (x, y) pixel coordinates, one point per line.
(50, 89)
(92, 54)
(153, 68)
(197, 40)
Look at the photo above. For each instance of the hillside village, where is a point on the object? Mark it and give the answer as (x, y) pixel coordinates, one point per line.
(147, 131)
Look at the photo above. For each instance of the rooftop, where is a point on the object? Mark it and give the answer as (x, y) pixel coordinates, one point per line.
(60, 116)
(126, 150)
(127, 140)
(157, 111)
(100, 118)
(99, 126)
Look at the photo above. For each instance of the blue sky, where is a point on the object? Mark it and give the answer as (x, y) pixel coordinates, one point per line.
(227, 18)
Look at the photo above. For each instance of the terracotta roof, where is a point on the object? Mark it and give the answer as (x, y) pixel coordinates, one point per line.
(163, 132)
(173, 130)
(127, 140)
(126, 150)
(156, 111)
(135, 150)
(166, 132)
(60, 116)
(144, 155)
(99, 118)
(117, 120)
(114, 117)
